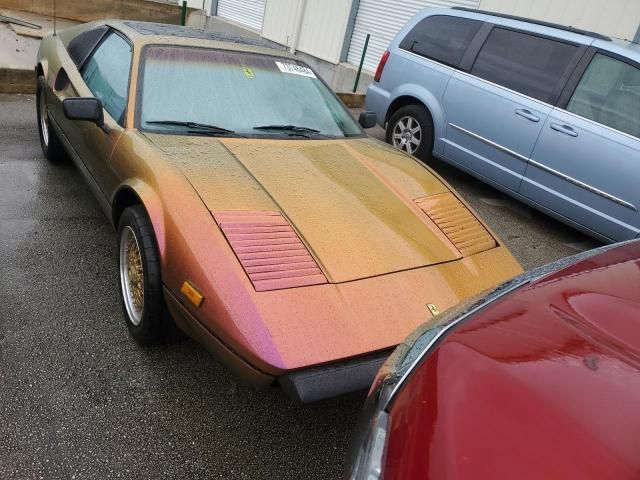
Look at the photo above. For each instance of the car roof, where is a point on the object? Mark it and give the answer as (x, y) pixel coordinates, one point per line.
(555, 26)
(519, 23)
(145, 33)
(623, 48)
(620, 47)
(168, 30)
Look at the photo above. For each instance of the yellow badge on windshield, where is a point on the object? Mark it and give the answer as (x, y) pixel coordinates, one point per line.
(248, 73)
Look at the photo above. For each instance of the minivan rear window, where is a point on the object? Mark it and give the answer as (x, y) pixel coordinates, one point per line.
(441, 38)
(526, 63)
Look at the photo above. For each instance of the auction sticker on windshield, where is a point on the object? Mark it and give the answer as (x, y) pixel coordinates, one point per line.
(295, 69)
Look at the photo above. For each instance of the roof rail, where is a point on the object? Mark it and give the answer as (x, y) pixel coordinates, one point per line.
(599, 36)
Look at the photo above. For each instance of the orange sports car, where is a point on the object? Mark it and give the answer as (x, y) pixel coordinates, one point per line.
(251, 208)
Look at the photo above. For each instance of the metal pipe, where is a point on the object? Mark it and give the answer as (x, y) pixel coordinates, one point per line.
(183, 18)
(364, 53)
(22, 23)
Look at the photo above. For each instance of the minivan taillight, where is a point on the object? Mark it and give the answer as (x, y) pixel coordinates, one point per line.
(383, 62)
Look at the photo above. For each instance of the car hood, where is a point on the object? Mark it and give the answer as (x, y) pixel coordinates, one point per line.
(352, 201)
(550, 371)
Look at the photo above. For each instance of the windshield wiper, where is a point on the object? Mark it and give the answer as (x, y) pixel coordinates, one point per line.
(213, 129)
(289, 128)
(293, 129)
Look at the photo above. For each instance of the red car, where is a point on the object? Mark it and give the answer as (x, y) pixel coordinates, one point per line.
(538, 380)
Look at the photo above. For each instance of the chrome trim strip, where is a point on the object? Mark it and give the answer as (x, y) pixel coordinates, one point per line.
(490, 143)
(550, 170)
(583, 185)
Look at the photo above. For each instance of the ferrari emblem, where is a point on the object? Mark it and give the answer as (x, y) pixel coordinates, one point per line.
(433, 309)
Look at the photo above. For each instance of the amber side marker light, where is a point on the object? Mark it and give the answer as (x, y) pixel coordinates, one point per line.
(192, 293)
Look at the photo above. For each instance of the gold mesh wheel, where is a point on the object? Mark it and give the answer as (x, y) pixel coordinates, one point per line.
(131, 275)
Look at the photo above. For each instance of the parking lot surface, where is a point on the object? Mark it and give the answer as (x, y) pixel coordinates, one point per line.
(78, 399)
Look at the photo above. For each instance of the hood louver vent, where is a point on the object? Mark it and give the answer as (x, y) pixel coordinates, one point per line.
(269, 250)
(456, 221)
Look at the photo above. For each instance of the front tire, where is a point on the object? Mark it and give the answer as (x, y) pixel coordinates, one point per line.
(140, 281)
(51, 146)
(410, 129)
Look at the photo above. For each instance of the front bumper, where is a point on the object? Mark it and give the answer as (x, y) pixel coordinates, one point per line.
(334, 379)
(305, 385)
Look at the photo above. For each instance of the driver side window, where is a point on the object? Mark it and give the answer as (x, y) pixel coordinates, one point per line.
(107, 74)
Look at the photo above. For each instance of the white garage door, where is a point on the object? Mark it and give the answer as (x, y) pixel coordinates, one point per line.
(383, 19)
(245, 12)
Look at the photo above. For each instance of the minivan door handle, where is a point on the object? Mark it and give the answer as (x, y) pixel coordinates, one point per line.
(523, 112)
(566, 129)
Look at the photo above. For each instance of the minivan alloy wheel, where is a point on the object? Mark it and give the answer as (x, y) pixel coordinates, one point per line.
(407, 134)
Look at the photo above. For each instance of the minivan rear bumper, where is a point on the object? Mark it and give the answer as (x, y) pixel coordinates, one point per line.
(377, 100)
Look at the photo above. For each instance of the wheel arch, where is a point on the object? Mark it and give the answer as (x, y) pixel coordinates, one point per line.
(137, 192)
(417, 95)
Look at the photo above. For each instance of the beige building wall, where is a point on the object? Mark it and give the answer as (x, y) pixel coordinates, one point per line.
(90, 10)
(315, 27)
(616, 18)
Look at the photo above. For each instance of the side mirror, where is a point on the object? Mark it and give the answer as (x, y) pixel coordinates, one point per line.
(367, 119)
(86, 109)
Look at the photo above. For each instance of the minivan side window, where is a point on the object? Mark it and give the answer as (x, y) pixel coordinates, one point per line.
(107, 74)
(526, 63)
(441, 38)
(609, 93)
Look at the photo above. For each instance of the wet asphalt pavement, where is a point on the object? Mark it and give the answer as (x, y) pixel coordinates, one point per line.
(78, 399)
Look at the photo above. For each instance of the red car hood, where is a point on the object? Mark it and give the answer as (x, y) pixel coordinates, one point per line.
(543, 384)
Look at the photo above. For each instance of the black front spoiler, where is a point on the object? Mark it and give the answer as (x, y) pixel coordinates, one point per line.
(333, 379)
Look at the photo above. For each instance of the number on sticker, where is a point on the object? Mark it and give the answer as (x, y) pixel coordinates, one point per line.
(295, 69)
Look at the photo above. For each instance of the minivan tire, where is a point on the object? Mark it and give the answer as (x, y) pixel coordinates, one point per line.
(402, 131)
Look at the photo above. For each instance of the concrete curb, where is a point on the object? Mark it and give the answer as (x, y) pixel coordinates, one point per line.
(352, 100)
(14, 80)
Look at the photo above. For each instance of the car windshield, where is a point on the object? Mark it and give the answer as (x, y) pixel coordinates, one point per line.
(199, 91)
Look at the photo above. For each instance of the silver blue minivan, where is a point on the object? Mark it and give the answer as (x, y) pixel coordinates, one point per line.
(546, 113)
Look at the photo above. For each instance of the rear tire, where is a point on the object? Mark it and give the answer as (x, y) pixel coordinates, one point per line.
(49, 141)
(143, 305)
(410, 129)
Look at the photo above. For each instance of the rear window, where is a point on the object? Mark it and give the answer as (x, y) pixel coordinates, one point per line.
(441, 38)
(528, 64)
